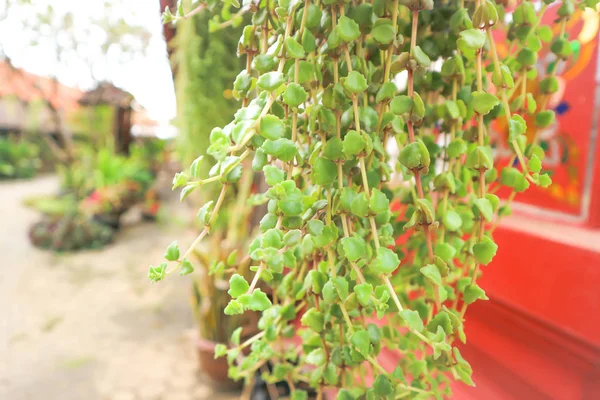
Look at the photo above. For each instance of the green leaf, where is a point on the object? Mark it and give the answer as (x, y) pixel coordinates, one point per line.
(264, 63)
(234, 308)
(347, 29)
(273, 175)
(420, 57)
(260, 160)
(259, 301)
(315, 227)
(426, 208)
(341, 287)
(485, 208)
(473, 38)
(195, 167)
(333, 149)
(452, 109)
(534, 164)
(292, 238)
(355, 82)
(272, 238)
(283, 149)
(464, 369)
(186, 267)
(354, 247)
(236, 336)
(545, 180)
(549, 85)
(344, 394)
(383, 31)
(485, 251)
(360, 341)
(316, 357)
(510, 176)
(293, 48)
(452, 220)
(445, 251)
(481, 157)
(379, 202)
(474, 293)
(271, 127)
(353, 143)
(237, 286)
(360, 205)
(432, 273)
(386, 92)
(418, 110)
(401, 105)
(299, 394)
(157, 273)
(271, 81)
(294, 95)
(527, 57)
(413, 319)
(172, 253)
(516, 127)
(324, 172)
(484, 102)
(415, 156)
(543, 119)
(179, 180)
(363, 293)
(456, 148)
(383, 386)
(313, 319)
(386, 261)
(531, 103)
(220, 350)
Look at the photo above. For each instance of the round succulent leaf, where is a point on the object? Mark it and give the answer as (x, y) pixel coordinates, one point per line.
(270, 81)
(237, 286)
(347, 29)
(385, 262)
(484, 102)
(354, 247)
(355, 82)
(271, 127)
(294, 49)
(294, 95)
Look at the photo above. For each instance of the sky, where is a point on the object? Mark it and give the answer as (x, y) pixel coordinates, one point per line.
(31, 44)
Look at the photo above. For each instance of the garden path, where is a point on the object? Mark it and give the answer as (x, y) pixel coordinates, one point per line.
(90, 326)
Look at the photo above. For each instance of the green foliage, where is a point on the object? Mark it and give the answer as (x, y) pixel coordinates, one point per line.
(204, 72)
(18, 158)
(327, 243)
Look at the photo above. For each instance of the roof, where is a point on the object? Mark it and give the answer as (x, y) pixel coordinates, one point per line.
(28, 87)
(106, 93)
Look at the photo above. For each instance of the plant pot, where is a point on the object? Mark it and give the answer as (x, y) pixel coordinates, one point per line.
(261, 391)
(215, 370)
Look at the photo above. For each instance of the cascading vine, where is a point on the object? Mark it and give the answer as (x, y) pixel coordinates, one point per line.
(366, 250)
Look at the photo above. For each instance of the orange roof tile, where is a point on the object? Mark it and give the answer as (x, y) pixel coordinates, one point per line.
(28, 87)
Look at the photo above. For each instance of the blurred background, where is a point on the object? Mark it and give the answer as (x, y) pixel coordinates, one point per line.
(100, 104)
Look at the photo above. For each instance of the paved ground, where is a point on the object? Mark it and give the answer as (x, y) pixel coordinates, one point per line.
(90, 326)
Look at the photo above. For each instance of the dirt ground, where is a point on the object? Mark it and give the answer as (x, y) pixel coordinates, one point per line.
(90, 325)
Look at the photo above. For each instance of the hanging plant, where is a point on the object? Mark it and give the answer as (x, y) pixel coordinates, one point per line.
(320, 109)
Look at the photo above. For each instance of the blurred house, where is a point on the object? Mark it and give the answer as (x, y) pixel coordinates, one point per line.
(31, 103)
(24, 99)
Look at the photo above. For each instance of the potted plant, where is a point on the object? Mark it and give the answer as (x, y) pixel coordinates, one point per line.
(209, 299)
(217, 260)
(319, 109)
(96, 189)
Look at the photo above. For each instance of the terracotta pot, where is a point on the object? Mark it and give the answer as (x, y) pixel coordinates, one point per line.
(215, 370)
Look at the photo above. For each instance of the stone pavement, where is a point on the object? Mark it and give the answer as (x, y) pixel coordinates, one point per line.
(90, 326)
